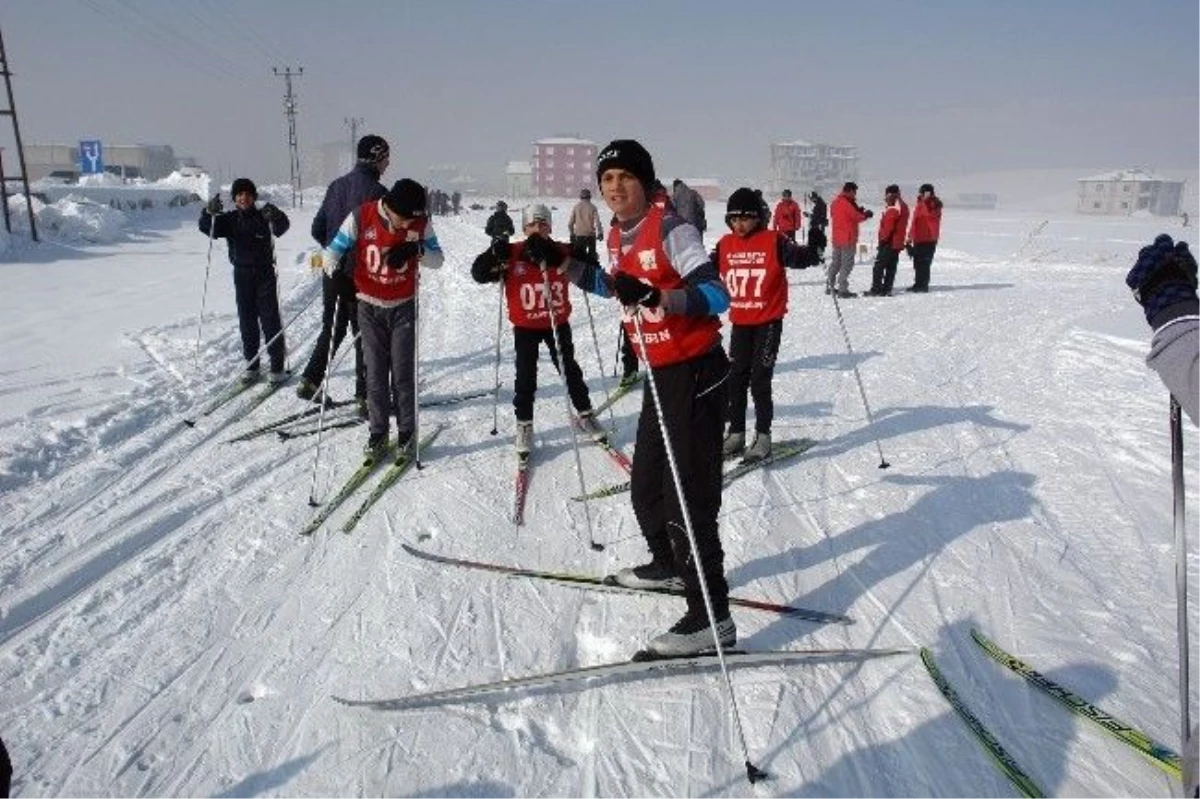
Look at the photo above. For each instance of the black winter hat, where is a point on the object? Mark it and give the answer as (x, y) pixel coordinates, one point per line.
(406, 198)
(372, 149)
(892, 189)
(629, 155)
(787, 192)
(743, 202)
(243, 184)
(850, 185)
(926, 187)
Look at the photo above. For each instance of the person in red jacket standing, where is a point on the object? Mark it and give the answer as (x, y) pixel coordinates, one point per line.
(787, 215)
(923, 236)
(536, 319)
(845, 215)
(892, 227)
(751, 260)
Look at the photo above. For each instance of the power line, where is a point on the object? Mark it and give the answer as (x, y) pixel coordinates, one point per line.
(353, 123)
(289, 110)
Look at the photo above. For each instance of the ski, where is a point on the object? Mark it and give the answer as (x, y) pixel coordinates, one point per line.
(620, 392)
(521, 488)
(702, 661)
(394, 472)
(352, 484)
(348, 420)
(285, 421)
(264, 395)
(618, 457)
(1159, 754)
(224, 398)
(588, 582)
(997, 752)
(780, 451)
(454, 399)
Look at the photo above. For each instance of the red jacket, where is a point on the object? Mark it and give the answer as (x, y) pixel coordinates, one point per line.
(787, 215)
(893, 225)
(926, 221)
(669, 338)
(845, 218)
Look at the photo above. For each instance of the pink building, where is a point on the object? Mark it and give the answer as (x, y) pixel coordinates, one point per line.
(563, 165)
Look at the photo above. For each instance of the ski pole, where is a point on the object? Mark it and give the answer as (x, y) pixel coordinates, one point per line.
(604, 382)
(323, 394)
(883, 464)
(1189, 775)
(562, 373)
(753, 773)
(496, 381)
(312, 490)
(212, 227)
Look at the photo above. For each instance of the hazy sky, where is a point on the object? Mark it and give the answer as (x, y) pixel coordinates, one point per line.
(923, 88)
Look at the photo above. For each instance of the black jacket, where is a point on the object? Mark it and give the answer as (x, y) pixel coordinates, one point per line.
(342, 196)
(248, 235)
(499, 224)
(819, 216)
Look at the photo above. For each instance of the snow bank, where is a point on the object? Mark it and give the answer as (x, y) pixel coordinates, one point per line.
(71, 219)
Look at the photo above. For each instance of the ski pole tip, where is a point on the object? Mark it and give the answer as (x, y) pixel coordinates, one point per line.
(755, 774)
(884, 464)
(597, 547)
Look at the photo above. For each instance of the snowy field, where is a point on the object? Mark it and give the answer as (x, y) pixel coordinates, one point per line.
(165, 631)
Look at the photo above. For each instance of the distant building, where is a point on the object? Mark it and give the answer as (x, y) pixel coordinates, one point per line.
(518, 179)
(803, 166)
(1125, 191)
(563, 165)
(149, 161)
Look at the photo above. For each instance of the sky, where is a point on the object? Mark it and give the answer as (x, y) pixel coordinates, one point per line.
(924, 90)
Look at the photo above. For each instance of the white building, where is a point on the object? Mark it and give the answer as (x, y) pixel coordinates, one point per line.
(1125, 191)
(803, 166)
(518, 179)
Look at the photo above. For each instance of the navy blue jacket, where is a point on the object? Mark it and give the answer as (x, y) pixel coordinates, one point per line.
(342, 196)
(248, 235)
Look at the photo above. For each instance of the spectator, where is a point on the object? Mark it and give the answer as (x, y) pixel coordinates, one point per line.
(846, 215)
(499, 224)
(584, 226)
(892, 226)
(787, 215)
(688, 204)
(923, 236)
(818, 220)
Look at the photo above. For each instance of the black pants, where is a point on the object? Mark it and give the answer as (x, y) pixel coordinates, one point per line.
(258, 305)
(922, 259)
(752, 353)
(5, 771)
(585, 244)
(629, 358)
(526, 341)
(883, 274)
(693, 395)
(791, 234)
(337, 294)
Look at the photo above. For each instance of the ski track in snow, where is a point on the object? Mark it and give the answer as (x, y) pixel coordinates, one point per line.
(165, 631)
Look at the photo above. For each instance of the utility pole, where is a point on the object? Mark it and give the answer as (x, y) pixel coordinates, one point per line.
(353, 123)
(289, 110)
(11, 111)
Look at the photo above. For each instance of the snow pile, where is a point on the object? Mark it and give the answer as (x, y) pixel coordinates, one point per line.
(71, 219)
(101, 179)
(197, 184)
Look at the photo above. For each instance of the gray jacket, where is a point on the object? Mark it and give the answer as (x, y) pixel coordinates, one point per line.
(689, 205)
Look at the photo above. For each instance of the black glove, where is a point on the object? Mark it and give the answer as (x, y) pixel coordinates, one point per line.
(908, 249)
(501, 250)
(269, 212)
(542, 250)
(1164, 276)
(868, 214)
(214, 206)
(631, 291)
(401, 254)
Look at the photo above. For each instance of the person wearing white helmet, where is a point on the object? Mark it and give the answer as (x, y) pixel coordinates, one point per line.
(537, 319)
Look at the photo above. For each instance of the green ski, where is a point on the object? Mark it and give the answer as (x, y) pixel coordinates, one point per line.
(352, 484)
(393, 473)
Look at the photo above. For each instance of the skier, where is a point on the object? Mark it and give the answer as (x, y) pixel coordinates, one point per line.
(787, 215)
(751, 260)
(818, 220)
(250, 233)
(892, 226)
(536, 319)
(846, 216)
(923, 235)
(499, 224)
(391, 238)
(344, 194)
(1163, 280)
(663, 274)
(584, 225)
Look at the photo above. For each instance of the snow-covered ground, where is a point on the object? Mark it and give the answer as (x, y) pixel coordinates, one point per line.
(165, 631)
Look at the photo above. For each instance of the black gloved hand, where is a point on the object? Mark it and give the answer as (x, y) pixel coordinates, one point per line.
(501, 250)
(1164, 275)
(542, 250)
(908, 249)
(214, 206)
(269, 212)
(868, 214)
(401, 254)
(631, 291)
(809, 256)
